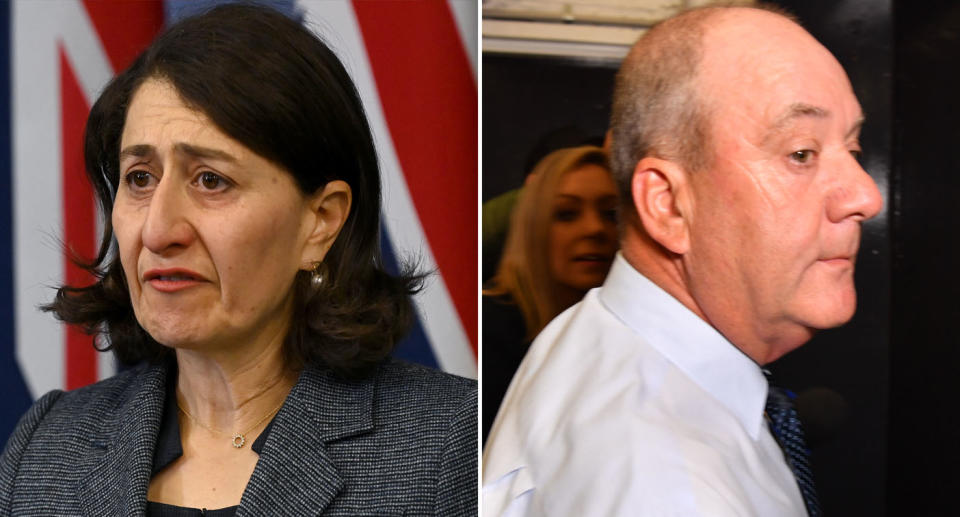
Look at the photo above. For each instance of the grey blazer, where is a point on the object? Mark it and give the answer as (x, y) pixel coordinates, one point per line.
(403, 442)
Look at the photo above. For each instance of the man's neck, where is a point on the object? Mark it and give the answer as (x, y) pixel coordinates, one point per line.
(667, 271)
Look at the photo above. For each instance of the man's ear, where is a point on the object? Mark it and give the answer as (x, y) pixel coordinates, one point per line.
(329, 208)
(660, 190)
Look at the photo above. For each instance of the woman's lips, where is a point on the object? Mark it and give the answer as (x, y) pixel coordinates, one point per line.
(593, 257)
(172, 280)
(596, 261)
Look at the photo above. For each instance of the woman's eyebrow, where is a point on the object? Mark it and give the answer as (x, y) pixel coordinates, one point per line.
(137, 151)
(204, 152)
(143, 150)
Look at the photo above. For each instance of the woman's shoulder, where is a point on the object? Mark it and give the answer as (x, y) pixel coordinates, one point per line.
(405, 388)
(396, 374)
(108, 394)
(53, 438)
(91, 408)
(394, 391)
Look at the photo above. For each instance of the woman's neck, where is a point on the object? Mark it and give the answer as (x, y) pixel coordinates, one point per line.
(230, 392)
(566, 296)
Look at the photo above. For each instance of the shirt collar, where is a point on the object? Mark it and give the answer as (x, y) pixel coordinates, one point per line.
(687, 341)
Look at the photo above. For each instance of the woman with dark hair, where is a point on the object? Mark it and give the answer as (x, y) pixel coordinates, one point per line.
(240, 270)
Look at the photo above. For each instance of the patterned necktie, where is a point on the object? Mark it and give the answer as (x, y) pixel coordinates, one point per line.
(785, 425)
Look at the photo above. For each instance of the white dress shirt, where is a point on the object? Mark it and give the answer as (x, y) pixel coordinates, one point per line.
(630, 404)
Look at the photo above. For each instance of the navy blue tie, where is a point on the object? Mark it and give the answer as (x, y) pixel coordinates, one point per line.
(782, 417)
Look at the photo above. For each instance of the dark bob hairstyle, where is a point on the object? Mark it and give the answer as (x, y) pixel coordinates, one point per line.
(273, 86)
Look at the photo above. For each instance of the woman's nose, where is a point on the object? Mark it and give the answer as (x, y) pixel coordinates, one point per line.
(593, 223)
(166, 226)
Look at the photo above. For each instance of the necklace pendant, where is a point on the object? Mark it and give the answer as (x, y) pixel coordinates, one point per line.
(239, 440)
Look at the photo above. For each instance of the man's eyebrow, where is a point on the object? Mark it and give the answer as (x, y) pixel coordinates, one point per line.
(801, 110)
(795, 111)
(856, 127)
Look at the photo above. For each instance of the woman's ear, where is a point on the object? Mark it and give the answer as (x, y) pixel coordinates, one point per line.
(660, 196)
(329, 208)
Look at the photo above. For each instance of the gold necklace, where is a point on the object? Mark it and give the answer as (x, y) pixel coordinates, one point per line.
(238, 438)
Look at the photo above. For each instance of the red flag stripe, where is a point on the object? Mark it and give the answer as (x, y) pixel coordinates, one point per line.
(78, 218)
(433, 125)
(125, 28)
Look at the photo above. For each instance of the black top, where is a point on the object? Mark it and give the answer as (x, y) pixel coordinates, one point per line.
(169, 448)
(169, 510)
(504, 345)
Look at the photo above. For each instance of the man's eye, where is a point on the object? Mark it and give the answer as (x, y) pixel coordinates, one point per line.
(803, 156)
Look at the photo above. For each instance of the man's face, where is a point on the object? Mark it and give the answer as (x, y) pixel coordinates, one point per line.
(775, 219)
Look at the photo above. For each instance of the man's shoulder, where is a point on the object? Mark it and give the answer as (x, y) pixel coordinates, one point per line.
(624, 466)
(585, 343)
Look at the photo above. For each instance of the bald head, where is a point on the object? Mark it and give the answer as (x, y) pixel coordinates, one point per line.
(658, 108)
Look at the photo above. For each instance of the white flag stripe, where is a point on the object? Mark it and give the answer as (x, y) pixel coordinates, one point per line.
(38, 27)
(338, 25)
(465, 16)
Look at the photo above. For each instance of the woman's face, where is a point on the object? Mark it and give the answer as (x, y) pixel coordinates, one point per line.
(210, 234)
(583, 231)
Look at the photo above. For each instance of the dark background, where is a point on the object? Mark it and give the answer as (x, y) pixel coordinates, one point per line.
(894, 363)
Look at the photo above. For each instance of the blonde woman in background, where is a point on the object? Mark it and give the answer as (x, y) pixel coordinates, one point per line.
(562, 240)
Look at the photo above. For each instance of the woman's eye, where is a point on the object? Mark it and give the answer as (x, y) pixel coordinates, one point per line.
(566, 215)
(212, 181)
(139, 179)
(857, 154)
(803, 156)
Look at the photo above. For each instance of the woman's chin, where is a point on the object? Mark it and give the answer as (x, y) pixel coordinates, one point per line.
(175, 336)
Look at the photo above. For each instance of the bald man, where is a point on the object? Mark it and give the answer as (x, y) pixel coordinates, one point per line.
(735, 146)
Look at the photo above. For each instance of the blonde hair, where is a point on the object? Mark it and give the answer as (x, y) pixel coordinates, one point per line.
(524, 271)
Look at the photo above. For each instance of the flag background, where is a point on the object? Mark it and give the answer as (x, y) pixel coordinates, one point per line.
(414, 64)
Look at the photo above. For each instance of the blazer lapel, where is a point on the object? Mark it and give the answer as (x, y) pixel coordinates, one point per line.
(119, 464)
(295, 474)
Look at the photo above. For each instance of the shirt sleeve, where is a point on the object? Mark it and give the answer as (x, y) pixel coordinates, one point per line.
(509, 496)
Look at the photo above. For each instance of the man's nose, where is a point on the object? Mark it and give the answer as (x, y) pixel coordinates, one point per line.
(166, 226)
(856, 195)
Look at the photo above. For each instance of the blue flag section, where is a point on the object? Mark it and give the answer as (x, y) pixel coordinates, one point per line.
(16, 398)
(414, 65)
